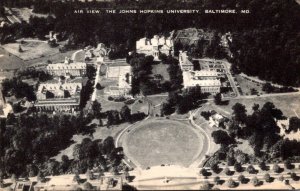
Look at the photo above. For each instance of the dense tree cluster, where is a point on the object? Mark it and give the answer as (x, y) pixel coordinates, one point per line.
(29, 141)
(261, 131)
(175, 73)
(141, 71)
(16, 87)
(41, 75)
(269, 88)
(95, 153)
(184, 101)
(294, 124)
(88, 88)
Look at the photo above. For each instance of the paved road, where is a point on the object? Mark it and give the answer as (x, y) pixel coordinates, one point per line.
(118, 143)
(206, 142)
(94, 95)
(75, 53)
(230, 78)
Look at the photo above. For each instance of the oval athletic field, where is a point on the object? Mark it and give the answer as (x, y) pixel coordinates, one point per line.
(161, 141)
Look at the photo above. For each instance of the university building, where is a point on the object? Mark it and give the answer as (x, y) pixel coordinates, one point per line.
(68, 68)
(58, 96)
(208, 81)
(184, 62)
(155, 46)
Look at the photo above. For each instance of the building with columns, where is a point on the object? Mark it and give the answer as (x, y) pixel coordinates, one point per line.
(58, 96)
(67, 68)
(155, 46)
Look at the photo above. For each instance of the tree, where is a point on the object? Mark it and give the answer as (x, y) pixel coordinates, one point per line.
(40, 177)
(1, 183)
(217, 180)
(96, 107)
(294, 176)
(231, 183)
(90, 72)
(98, 86)
(288, 164)
(238, 167)
(218, 99)
(241, 178)
(112, 117)
(267, 177)
(255, 107)
(203, 171)
(125, 113)
(294, 124)
(281, 178)
(227, 172)
(251, 169)
(13, 178)
(268, 88)
(239, 113)
(89, 174)
(76, 178)
(215, 168)
(205, 186)
(126, 175)
(255, 181)
(221, 137)
(230, 161)
(262, 165)
(88, 186)
(276, 168)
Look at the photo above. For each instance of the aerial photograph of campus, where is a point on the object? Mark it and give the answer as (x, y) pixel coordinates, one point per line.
(149, 95)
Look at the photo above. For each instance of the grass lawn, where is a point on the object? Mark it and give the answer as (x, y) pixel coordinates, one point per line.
(162, 70)
(288, 104)
(247, 85)
(9, 61)
(30, 50)
(56, 58)
(158, 141)
(109, 105)
(157, 99)
(80, 57)
(140, 106)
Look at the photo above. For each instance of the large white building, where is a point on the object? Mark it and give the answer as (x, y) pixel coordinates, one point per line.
(58, 96)
(184, 62)
(67, 68)
(155, 46)
(207, 80)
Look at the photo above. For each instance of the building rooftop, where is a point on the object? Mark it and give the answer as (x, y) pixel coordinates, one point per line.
(189, 81)
(68, 64)
(56, 88)
(205, 73)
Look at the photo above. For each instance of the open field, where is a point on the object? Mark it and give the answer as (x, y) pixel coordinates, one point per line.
(247, 85)
(55, 58)
(140, 106)
(159, 141)
(9, 61)
(161, 69)
(30, 49)
(289, 104)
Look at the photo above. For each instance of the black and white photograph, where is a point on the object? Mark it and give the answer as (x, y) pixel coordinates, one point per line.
(149, 95)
